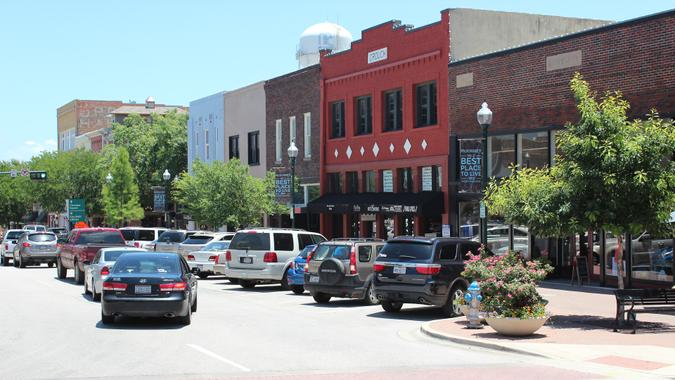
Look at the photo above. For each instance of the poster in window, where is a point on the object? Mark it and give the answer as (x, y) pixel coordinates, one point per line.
(388, 181)
(427, 178)
(470, 159)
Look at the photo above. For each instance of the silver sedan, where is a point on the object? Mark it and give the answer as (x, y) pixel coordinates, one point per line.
(100, 267)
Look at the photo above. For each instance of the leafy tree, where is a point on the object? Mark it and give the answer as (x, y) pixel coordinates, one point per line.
(120, 195)
(15, 194)
(611, 174)
(153, 147)
(225, 194)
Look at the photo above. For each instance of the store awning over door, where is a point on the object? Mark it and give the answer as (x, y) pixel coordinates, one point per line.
(427, 203)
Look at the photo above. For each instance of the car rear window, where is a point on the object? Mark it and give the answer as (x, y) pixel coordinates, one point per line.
(57, 230)
(198, 239)
(132, 263)
(305, 251)
(325, 251)
(13, 235)
(148, 235)
(113, 255)
(216, 246)
(41, 237)
(406, 251)
(251, 241)
(129, 234)
(172, 237)
(100, 237)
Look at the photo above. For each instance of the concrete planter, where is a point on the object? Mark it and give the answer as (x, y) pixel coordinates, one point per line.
(515, 326)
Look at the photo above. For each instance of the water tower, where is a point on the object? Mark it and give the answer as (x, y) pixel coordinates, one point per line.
(323, 36)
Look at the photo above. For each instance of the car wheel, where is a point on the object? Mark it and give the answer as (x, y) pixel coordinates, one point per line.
(60, 270)
(284, 281)
(451, 309)
(194, 306)
(187, 319)
(247, 284)
(5, 263)
(79, 275)
(371, 298)
(107, 319)
(15, 262)
(233, 281)
(203, 275)
(50, 265)
(95, 296)
(86, 290)
(321, 298)
(22, 264)
(298, 289)
(391, 306)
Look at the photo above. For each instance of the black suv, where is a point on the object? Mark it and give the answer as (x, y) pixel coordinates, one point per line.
(422, 270)
(342, 268)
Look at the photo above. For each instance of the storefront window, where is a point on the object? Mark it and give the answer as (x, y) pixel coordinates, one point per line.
(369, 181)
(429, 179)
(469, 219)
(502, 153)
(533, 149)
(407, 225)
(652, 258)
(498, 237)
(405, 181)
(352, 182)
(335, 184)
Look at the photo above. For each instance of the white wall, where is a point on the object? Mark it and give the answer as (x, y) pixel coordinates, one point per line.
(206, 114)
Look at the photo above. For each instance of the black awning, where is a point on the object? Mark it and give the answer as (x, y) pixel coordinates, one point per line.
(426, 202)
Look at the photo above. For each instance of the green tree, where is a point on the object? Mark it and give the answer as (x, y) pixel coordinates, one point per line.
(120, 195)
(15, 193)
(611, 174)
(225, 194)
(153, 147)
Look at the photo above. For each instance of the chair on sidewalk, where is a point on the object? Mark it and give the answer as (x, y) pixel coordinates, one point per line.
(647, 301)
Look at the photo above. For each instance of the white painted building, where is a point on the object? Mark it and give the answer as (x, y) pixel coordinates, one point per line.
(206, 129)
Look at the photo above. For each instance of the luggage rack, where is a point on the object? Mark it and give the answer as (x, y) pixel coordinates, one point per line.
(359, 239)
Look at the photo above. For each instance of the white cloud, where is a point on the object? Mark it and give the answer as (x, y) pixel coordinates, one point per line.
(30, 143)
(28, 149)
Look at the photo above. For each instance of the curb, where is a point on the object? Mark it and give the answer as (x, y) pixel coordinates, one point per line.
(430, 331)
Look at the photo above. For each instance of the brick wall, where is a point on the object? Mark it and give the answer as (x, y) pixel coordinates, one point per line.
(528, 87)
(93, 114)
(289, 95)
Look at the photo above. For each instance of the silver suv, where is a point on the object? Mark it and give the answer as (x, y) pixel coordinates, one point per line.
(343, 268)
(264, 255)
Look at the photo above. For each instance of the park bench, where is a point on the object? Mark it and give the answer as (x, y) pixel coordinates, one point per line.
(646, 301)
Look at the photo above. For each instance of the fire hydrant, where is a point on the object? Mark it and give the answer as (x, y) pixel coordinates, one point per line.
(473, 298)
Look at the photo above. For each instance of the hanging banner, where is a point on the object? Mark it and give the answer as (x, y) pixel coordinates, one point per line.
(159, 199)
(470, 160)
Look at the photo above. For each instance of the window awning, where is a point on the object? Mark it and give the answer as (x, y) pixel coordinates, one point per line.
(426, 202)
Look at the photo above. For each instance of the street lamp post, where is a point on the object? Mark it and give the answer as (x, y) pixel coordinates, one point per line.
(166, 176)
(484, 116)
(292, 154)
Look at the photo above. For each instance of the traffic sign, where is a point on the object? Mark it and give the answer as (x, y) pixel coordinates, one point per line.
(13, 173)
(76, 210)
(25, 172)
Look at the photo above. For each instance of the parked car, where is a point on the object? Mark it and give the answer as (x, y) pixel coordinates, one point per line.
(169, 240)
(204, 260)
(343, 268)
(200, 240)
(296, 274)
(81, 247)
(99, 268)
(422, 270)
(141, 237)
(264, 255)
(149, 285)
(35, 248)
(34, 227)
(60, 232)
(7, 245)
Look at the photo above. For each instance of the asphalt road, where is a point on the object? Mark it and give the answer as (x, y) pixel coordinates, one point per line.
(50, 330)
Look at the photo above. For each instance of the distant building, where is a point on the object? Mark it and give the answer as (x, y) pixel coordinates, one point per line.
(206, 129)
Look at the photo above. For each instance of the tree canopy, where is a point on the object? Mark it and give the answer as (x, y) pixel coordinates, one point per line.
(120, 194)
(15, 193)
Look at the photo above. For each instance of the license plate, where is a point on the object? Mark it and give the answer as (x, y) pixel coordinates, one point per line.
(399, 269)
(142, 289)
(313, 278)
(246, 260)
(200, 266)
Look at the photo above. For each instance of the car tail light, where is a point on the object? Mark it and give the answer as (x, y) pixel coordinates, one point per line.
(173, 287)
(378, 267)
(352, 261)
(6, 247)
(218, 259)
(270, 257)
(213, 258)
(58, 245)
(309, 257)
(105, 271)
(26, 244)
(137, 244)
(191, 258)
(428, 268)
(228, 256)
(115, 286)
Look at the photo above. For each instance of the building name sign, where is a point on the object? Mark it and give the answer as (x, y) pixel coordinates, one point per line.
(377, 55)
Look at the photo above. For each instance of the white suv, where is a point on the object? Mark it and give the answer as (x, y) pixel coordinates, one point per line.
(200, 240)
(141, 237)
(8, 242)
(264, 255)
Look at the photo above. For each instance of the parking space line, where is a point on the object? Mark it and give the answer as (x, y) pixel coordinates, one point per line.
(218, 357)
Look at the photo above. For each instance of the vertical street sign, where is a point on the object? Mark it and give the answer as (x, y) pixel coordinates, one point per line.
(76, 210)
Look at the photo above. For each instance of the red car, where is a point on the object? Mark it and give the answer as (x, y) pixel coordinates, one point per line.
(81, 247)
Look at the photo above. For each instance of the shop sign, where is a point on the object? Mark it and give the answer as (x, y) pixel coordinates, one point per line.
(470, 160)
(377, 55)
(427, 178)
(446, 230)
(356, 208)
(368, 217)
(388, 181)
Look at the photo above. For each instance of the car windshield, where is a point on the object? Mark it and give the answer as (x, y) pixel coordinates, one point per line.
(305, 251)
(13, 235)
(100, 237)
(128, 234)
(57, 230)
(405, 251)
(42, 237)
(171, 237)
(325, 251)
(146, 264)
(198, 239)
(109, 256)
(251, 240)
(217, 246)
(146, 235)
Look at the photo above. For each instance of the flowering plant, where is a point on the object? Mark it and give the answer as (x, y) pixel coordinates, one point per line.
(508, 284)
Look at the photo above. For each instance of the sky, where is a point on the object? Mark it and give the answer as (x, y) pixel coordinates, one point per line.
(52, 52)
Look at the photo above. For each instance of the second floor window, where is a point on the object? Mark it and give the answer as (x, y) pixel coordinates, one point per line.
(364, 115)
(393, 111)
(369, 181)
(425, 104)
(352, 182)
(405, 181)
(337, 119)
(334, 183)
(234, 147)
(253, 148)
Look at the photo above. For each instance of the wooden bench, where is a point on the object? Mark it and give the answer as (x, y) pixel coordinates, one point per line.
(646, 301)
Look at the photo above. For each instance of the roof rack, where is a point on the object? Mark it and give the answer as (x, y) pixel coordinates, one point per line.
(357, 239)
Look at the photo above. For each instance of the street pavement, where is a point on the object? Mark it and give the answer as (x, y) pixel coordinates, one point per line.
(50, 330)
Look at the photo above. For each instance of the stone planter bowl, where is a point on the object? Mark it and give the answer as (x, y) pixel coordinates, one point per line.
(515, 326)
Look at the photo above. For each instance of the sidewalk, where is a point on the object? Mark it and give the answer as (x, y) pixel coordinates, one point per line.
(580, 329)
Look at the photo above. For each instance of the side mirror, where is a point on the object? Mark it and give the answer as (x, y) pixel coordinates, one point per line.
(194, 271)
(86, 262)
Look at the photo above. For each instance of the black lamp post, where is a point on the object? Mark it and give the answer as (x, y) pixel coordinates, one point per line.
(484, 116)
(166, 176)
(292, 154)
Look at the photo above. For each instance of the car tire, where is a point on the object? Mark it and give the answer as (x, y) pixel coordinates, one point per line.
(107, 319)
(298, 289)
(60, 270)
(370, 297)
(187, 319)
(233, 281)
(50, 265)
(5, 263)
(450, 310)
(203, 275)
(22, 264)
(247, 284)
(194, 306)
(86, 290)
(15, 262)
(95, 296)
(321, 298)
(79, 275)
(391, 306)
(284, 281)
